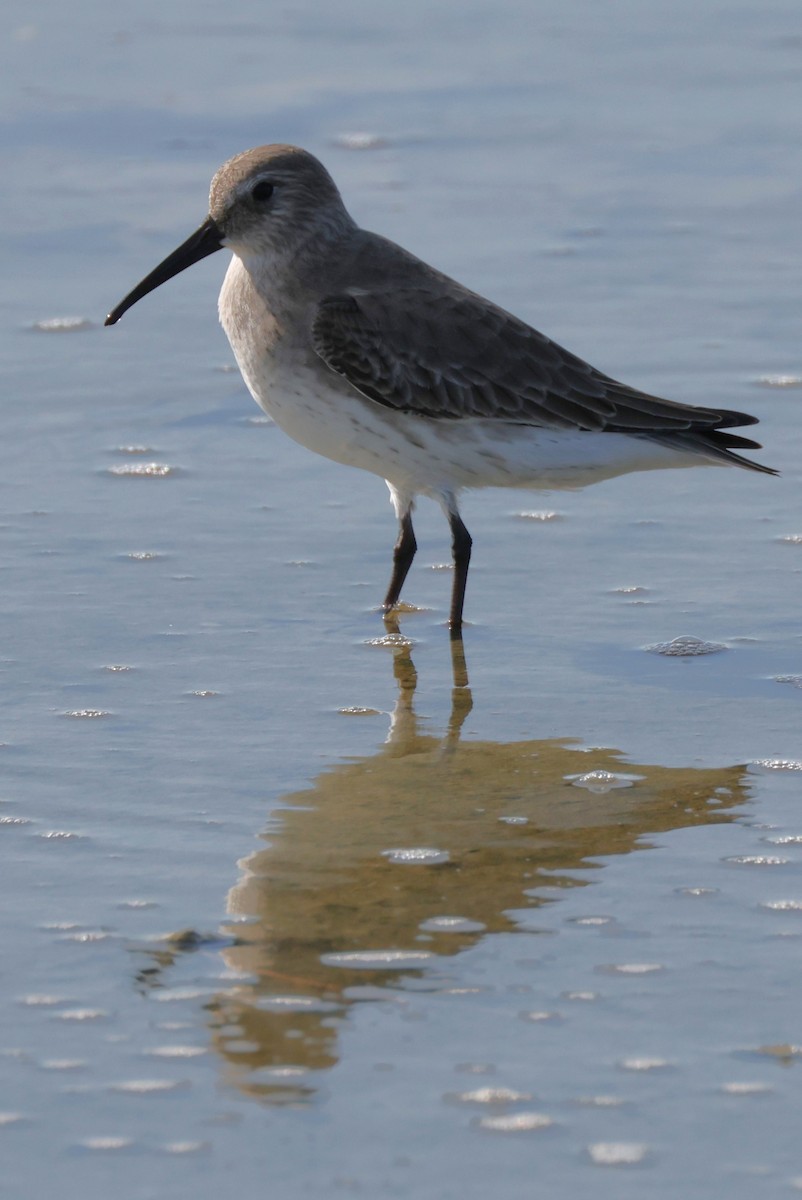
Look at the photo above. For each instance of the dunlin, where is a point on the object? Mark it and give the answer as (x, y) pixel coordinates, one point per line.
(365, 354)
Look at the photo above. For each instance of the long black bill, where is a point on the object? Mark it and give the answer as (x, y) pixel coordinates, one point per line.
(203, 242)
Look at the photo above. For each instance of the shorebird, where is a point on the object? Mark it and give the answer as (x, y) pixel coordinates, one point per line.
(369, 356)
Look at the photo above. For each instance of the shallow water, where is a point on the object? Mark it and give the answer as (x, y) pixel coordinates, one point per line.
(290, 896)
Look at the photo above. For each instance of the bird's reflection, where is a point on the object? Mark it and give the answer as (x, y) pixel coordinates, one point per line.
(422, 847)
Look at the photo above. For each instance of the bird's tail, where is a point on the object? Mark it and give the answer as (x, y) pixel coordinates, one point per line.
(719, 444)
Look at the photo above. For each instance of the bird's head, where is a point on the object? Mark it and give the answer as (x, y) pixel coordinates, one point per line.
(269, 206)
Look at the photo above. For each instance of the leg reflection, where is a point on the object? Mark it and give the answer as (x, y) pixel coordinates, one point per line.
(431, 832)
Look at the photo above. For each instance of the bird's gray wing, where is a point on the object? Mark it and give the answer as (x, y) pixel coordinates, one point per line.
(448, 353)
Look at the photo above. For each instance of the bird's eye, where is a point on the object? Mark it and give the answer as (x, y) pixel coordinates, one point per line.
(262, 191)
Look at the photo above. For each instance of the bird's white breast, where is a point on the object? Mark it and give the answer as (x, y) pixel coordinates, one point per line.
(322, 411)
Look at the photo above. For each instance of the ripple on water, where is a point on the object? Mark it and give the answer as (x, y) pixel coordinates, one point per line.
(279, 1074)
(296, 1004)
(396, 641)
(177, 994)
(452, 925)
(426, 856)
(87, 714)
(373, 960)
(149, 470)
(542, 516)
(629, 968)
(87, 936)
(176, 1051)
(62, 325)
(685, 647)
(601, 782)
(756, 860)
(148, 1087)
(82, 1014)
(644, 1063)
(618, 1154)
(106, 1144)
(520, 1122)
(44, 1000)
(489, 1096)
(738, 1088)
(779, 381)
(360, 140)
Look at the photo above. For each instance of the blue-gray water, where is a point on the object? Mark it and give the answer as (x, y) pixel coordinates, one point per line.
(280, 909)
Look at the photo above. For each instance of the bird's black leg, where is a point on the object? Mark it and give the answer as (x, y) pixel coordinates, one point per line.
(403, 554)
(461, 542)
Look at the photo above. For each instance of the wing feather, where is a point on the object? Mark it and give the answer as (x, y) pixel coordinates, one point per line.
(448, 359)
(433, 348)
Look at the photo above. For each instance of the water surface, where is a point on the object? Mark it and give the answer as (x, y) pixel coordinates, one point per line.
(288, 896)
